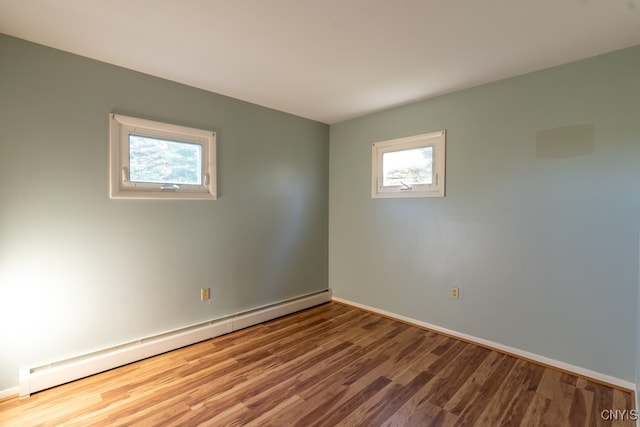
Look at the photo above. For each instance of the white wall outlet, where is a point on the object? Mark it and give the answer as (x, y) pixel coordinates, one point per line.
(205, 294)
(455, 293)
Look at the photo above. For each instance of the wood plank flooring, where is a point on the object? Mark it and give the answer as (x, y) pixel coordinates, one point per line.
(331, 365)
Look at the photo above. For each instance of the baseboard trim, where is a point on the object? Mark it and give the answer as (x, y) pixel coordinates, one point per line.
(9, 393)
(536, 358)
(47, 375)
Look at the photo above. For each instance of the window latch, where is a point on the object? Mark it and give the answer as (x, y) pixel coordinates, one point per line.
(405, 186)
(170, 187)
(125, 174)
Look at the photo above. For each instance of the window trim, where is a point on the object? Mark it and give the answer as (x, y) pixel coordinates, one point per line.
(121, 127)
(437, 140)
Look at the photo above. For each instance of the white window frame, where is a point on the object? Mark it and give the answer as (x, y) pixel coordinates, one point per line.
(121, 127)
(437, 140)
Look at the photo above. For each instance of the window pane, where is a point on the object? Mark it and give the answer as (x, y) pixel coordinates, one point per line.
(409, 167)
(162, 161)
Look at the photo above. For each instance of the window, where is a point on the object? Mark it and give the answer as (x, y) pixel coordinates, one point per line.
(409, 167)
(153, 160)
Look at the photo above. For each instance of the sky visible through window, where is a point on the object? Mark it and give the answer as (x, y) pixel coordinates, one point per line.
(408, 167)
(162, 161)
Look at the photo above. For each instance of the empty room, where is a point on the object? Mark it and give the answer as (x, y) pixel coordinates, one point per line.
(319, 213)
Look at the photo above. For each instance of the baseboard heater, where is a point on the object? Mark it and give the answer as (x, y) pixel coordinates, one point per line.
(60, 372)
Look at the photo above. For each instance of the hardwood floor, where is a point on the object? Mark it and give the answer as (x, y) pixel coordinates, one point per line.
(331, 365)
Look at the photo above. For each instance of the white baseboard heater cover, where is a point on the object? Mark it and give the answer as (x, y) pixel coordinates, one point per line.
(49, 375)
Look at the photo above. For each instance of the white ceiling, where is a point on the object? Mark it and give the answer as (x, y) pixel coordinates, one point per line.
(328, 60)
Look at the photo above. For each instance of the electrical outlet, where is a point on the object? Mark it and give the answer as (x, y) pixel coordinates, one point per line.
(205, 294)
(455, 293)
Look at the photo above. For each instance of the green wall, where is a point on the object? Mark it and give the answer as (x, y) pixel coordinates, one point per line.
(540, 224)
(79, 272)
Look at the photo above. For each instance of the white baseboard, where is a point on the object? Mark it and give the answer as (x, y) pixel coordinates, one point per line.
(10, 392)
(47, 375)
(597, 376)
